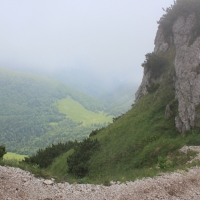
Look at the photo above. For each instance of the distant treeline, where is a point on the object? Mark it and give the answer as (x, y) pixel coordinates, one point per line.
(28, 119)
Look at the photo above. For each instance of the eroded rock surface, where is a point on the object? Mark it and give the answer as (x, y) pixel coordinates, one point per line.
(187, 83)
(142, 90)
(160, 44)
(187, 70)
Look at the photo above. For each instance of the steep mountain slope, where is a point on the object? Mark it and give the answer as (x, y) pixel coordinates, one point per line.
(167, 102)
(29, 119)
(130, 147)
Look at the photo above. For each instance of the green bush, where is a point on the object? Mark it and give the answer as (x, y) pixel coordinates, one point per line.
(106, 183)
(78, 162)
(2, 151)
(155, 64)
(192, 137)
(163, 162)
(44, 157)
(96, 131)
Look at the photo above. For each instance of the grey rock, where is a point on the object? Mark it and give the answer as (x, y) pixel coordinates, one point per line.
(160, 44)
(179, 124)
(48, 182)
(187, 69)
(142, 90)
(168, 112)
(187, 84)
(182, 30)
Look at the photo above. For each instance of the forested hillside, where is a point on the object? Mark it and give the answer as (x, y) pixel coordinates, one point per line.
(29, 119)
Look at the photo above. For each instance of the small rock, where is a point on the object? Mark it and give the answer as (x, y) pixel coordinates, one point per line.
(48, 182)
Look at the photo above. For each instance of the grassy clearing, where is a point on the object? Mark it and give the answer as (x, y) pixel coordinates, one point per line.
(13, 156)
(78, 113)
(59, 167)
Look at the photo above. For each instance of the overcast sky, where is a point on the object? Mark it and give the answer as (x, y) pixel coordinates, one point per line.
(109, 37)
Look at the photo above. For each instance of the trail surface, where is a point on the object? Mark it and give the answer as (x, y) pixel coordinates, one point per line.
(16, 184)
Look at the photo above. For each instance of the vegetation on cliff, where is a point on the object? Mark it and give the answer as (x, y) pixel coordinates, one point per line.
(180, 8)
(156, 64)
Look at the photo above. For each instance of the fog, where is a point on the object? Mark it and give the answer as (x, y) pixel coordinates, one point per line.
(79, 40)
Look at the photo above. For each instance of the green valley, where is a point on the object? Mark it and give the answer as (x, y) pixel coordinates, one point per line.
(29, 119)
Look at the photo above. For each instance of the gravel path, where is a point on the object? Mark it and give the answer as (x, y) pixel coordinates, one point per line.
(16, 184)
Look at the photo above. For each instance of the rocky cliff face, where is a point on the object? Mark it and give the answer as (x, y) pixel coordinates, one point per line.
(187, 70)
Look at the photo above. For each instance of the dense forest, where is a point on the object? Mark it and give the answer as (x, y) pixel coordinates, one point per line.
(29, 120)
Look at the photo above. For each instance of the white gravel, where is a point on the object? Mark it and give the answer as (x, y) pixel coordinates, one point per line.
(16, 184)
(21, 185)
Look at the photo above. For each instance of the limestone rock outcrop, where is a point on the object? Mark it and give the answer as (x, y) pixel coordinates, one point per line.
(187, 61)
(142, 90)
(187, 70)
(160, 44)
